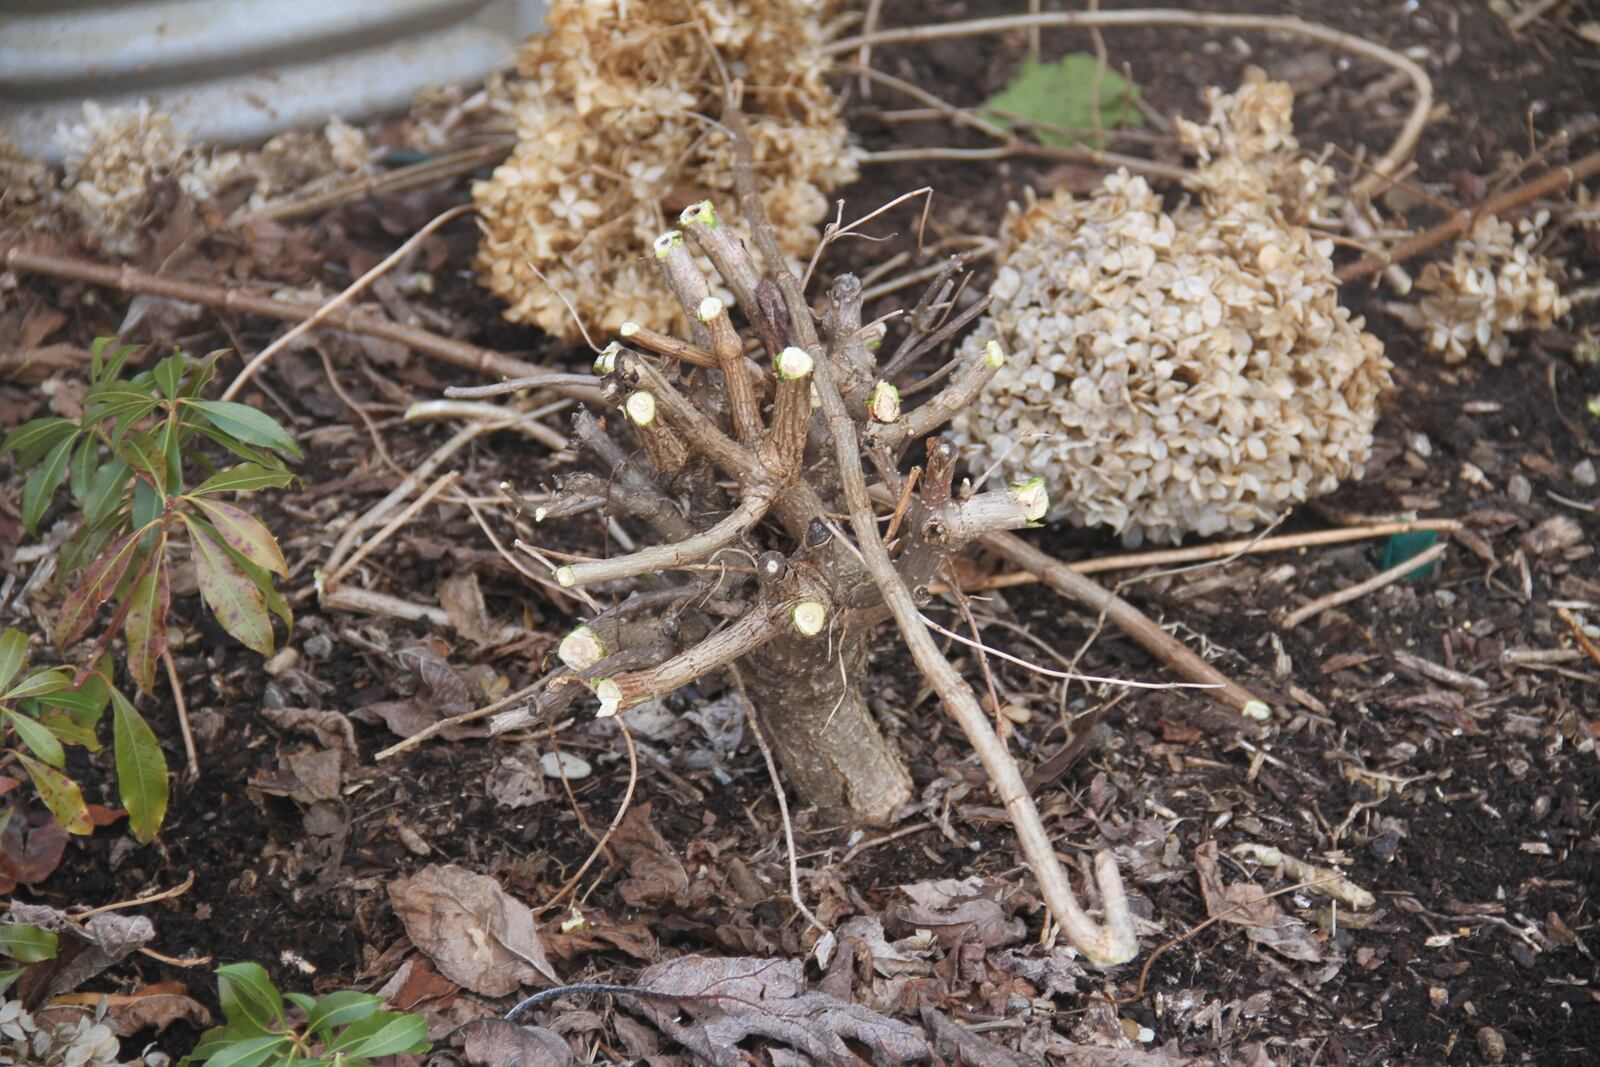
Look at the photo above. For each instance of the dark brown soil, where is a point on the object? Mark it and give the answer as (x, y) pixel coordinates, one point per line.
(1468, 809)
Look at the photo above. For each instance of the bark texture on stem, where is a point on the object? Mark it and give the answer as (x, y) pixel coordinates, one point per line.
(808, 694)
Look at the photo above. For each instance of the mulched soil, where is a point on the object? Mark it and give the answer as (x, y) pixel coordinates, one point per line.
(1464, 799)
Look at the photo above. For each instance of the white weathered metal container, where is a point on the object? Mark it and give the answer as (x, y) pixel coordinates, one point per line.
(241, 70)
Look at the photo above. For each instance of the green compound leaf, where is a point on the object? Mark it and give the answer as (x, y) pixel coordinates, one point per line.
(1061, 93)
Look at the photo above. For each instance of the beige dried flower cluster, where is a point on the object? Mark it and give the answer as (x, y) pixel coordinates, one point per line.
(1494, 285)
(116, 158)
(83, 1042)
(614, 138)
(1179, 372)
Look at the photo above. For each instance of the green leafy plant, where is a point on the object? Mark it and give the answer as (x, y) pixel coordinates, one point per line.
(342, 1029)
(44, 711)
(1061, 94)
(128, 462)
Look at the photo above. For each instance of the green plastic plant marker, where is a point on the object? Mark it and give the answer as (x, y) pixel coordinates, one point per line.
(1402, 547)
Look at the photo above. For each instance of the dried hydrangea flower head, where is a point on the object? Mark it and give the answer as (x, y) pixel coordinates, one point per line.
(1495, 285)
(118, 157)
(612, 143)
(1178, 372)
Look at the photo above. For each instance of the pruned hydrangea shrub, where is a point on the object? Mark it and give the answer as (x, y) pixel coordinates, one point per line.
(614, 139)
(1180, 372)
(1495, 284)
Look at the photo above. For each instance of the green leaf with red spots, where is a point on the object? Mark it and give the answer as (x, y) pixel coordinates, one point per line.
(229, 591)
(244, 533)
(60, 794)
(101, 581)
(145, 626)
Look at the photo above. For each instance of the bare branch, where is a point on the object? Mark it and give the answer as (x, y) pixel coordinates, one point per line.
(1115, 942)
(725, 251)
(723, 647)
(667, 345)
(729, 349)
(661, 557)
(970, 380)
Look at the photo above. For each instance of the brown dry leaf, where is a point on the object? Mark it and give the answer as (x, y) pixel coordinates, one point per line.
(83, 951)
(1247, 905)
(1553, 535)
(888, 960)
(442, 692)
(29, 855)
(462, 600)
(728, 1000)
(331, 728)
(416, 983)
(129, 1015)
(478, 935)
(959, 912)
(498, 1043)
(655, 875)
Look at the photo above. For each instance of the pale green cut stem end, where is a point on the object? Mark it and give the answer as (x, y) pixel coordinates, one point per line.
(703, 212)
(565, 577)
(793, 363)
(629, 328)
(610, 694)
(993, 354)
(1257, 710)
(710, 308)
(540, 514)
(1032, 497)
(885, 403)
(641, 408)
(581, 649)
(667, 242)
(810, 617)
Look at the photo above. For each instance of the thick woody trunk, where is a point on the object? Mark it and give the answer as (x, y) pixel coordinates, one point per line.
(817, 721)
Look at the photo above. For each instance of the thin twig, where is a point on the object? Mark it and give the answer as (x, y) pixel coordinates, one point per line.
(754, 719)
(128, 280)
(1361, 589)
(137, 902)
(1112, 942)
(440, 484)
(191, 759)
(1585, 642)
(605, 839)
(350, 292)
(375, 514)
(1133, 622)
(409, 743)
(1391, 160)
(1546, 184)
(1070, 676)
(437, 169)
(1219, 550)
